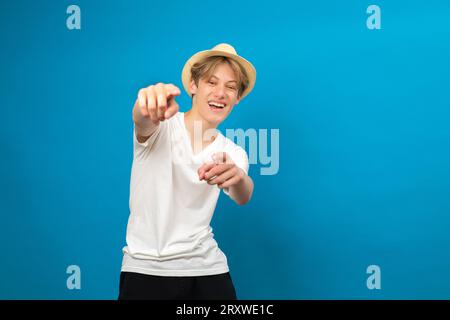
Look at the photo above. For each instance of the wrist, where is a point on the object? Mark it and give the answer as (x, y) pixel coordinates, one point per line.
(241, 178)
(147, 129)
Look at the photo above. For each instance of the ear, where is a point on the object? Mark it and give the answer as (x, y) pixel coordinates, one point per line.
(193, 87)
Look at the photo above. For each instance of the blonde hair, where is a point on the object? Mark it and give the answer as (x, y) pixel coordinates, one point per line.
(205, 68)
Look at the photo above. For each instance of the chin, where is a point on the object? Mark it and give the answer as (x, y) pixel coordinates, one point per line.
(214, 119)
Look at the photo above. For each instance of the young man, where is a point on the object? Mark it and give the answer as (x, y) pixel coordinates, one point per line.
(180, 164)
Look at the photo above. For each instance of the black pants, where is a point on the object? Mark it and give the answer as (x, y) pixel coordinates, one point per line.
(136, 286)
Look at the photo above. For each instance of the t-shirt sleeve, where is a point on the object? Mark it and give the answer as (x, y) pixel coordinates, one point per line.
(240, 158)
(141, 149)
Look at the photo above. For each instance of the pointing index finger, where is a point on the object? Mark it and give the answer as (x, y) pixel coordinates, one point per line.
(205, 168)
(172, 90)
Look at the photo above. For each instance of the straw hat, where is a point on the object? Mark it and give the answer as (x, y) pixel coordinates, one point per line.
(224, 50)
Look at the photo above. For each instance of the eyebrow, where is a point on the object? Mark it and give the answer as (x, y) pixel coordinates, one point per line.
(227, 82)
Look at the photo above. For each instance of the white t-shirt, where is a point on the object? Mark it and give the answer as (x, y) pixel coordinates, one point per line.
(169, 232)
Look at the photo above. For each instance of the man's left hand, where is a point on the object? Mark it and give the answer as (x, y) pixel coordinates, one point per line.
(222, 171)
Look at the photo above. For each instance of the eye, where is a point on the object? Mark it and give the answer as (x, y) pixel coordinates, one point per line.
(211, 82)
(232, 88)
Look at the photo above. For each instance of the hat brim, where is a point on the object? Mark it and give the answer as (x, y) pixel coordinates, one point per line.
(245, 64)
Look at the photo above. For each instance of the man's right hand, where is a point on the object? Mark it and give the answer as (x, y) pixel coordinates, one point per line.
(155, 103)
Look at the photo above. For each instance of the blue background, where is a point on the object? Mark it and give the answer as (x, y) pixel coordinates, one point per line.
(364, 126)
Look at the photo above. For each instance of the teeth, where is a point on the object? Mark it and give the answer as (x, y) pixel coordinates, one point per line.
(218, 105)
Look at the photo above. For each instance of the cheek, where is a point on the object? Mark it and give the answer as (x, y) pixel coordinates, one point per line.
(202, 94)
(205, 92)
(233, 100)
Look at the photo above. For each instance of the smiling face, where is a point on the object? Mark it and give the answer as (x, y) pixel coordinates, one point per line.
(215, 95)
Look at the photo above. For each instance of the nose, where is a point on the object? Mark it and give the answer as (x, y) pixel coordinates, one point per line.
(219, 91)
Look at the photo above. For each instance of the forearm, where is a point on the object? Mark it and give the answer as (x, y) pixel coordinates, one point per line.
(242, 191)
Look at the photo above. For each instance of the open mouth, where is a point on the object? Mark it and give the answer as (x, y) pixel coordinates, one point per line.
(216, 105)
